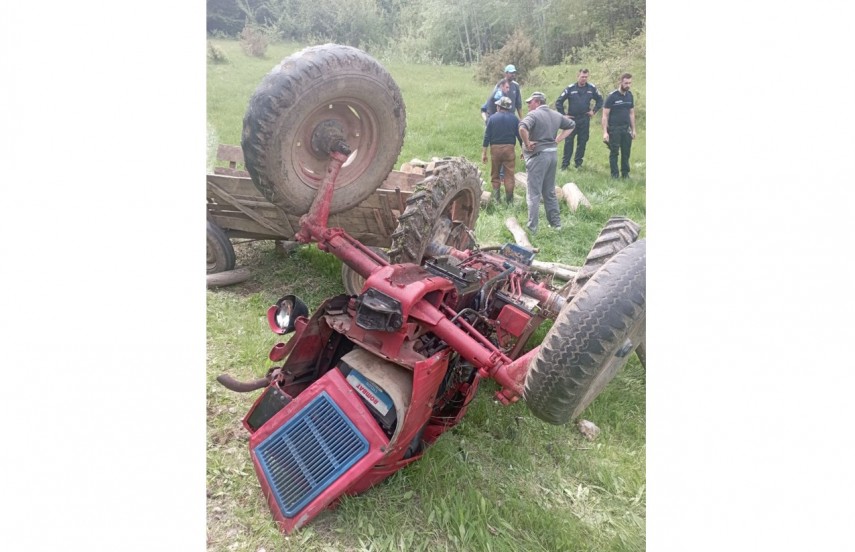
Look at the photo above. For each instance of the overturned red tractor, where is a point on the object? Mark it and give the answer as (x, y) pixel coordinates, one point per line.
(374, 376)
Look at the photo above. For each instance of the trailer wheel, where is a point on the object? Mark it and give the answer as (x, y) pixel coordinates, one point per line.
(311, 96)
(221, 253)
(353, 282)
(591, 339)
(617, 233)
(442, 210)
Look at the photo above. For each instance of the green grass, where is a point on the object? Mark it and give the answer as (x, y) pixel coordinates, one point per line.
(501, 480)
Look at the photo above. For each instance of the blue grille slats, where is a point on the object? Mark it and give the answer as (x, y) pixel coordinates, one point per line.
(309, 452)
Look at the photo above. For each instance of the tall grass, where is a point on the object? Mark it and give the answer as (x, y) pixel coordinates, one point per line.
(502, 479)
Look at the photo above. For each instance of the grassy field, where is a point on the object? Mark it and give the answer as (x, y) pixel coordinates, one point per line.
(502, 479)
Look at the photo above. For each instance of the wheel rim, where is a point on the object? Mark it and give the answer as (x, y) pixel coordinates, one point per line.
(212, 258)
(358, 124)
(451, 229)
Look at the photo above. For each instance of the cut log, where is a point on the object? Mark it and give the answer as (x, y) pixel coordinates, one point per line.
(485, 199)
(228, 277)
(574, 196)
(518, 232)
(556, 269)
(559, 193)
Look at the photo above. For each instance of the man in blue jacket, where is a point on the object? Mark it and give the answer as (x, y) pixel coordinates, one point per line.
(579, 96)
(501, 135)
(489, 108)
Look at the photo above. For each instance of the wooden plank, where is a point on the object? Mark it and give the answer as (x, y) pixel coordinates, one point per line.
(402, 180)
(236, 186)
(232, 154)
(242, 224)
(389, 220)
(273, 227)
(230, 171)
(378, 218)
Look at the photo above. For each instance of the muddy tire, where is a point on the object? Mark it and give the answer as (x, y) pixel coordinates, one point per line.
(220, 251)
(299, 101)
(617, 233)
(591, 339)
(442, 210)
(353, 282)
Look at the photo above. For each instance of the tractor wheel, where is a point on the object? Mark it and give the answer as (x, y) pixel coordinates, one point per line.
(591, 339)
(353, 282)
(306, 103)
(221, 253)
(442, 211)
(615, 235)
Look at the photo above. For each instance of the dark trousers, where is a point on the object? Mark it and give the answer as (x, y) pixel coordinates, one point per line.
(580, 134)
(620, 142)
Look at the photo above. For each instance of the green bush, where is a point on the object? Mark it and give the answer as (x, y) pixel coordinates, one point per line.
(216, 54)
(254, 40)
(518, 50)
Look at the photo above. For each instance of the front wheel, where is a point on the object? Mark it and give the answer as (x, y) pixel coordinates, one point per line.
(592, 338)
(221, 253)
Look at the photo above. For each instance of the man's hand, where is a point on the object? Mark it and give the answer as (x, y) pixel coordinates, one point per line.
(484, 157)
(632, 133)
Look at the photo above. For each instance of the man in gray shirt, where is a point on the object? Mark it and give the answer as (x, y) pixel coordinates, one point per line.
(538, 131)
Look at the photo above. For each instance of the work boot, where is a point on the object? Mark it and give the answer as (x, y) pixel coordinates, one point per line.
(497, 196)
(509, 197)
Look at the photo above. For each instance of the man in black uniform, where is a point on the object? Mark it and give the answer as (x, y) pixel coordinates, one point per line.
(619, 125)
(579, 96)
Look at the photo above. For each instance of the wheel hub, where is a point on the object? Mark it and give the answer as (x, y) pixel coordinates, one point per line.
(328, 136)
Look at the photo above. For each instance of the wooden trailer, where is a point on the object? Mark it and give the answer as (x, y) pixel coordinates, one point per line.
(236, 209)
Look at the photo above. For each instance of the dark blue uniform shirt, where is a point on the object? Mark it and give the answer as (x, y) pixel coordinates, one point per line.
(619, 104)
(578, 99)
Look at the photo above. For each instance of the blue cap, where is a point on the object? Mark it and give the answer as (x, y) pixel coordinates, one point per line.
(510, 69)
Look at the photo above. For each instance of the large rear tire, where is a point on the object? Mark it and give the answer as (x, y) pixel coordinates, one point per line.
(617, 233)
(591, 339)
(443, 210)
(311, 95)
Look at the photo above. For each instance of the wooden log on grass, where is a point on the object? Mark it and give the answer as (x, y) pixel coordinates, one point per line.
(556, 269)
(574, 196)
(485, 199)
(228, 277)
(518, 232)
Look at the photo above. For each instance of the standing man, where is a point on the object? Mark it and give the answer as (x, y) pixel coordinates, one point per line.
(502, 134)
(515, 93)
(540, 150)
(579, 96)
(489, 108)
(619, 126)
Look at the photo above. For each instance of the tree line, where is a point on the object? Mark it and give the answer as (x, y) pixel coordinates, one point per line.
(445, 31)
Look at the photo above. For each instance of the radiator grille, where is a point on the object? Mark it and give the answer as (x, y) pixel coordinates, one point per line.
(308, 453)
